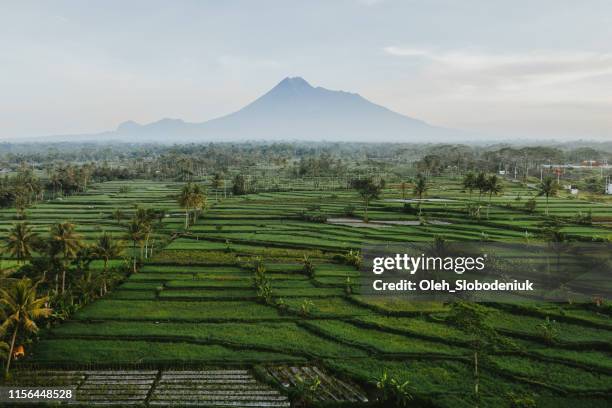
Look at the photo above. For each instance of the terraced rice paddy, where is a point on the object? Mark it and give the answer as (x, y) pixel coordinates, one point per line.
(193, 305)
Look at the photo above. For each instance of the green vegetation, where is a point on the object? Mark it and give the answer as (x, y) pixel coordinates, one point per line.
(193, 257)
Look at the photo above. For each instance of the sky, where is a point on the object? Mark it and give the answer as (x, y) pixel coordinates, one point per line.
(524, 68)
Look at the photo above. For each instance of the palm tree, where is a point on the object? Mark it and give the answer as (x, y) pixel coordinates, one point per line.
(216, 184)
(548, 187)
(420, 188)
(67, 243)
(469, 182)
(107, 248)
(22, 308)
(135, 234)
(20, 241)
(493, 187)
(145, 218)
(198, 200)
(185, 201)
(481, 184)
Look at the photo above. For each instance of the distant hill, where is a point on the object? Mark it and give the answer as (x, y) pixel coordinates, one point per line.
(292, 110)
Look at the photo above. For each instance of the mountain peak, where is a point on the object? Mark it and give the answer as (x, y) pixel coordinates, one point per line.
(128, 125)
(294, 83)
(294, 109)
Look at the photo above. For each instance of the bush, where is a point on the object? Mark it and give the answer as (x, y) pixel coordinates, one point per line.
(349, 210)
(409, 209)
(548, 331)
(306, 307)
(394, 392)
(315, 217)
(308, 267)
(352, 258)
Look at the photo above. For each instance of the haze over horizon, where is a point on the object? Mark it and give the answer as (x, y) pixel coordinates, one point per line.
(514, 68)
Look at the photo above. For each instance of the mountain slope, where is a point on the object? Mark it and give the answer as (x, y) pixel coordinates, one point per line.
(293, 110)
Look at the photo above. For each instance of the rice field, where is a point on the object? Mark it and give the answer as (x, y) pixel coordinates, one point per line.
(193, 304)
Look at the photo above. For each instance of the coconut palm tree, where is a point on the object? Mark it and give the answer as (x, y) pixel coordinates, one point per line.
(469, 182)
(107, 248)
(135, 234)
(420, 188)
(67, 243)
(216, 184)
(185, 201)
(548, 187)
(494, 186)
(20, 241)
(198, 200)
(145, 218)
(481, 184)
(22, 308)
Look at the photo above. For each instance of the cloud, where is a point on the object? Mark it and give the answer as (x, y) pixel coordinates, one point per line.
(508, 71)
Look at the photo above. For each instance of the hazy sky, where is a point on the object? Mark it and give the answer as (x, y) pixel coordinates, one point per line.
(534, 67)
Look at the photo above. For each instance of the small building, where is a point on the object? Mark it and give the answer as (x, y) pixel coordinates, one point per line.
(609, 188)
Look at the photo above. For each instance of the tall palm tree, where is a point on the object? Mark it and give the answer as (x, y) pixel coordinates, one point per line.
(20, 241)
(481, 184)
(548, 187)
(22, 308)
(469, 182)
(420, 188)
(107, 248)
(67, 243)
(145, 217)
(216, 184)
(493, 186)
(135, 234)
(185, 201)
(198, 200)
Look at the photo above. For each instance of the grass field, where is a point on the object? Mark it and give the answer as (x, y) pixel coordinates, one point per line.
(193, 301)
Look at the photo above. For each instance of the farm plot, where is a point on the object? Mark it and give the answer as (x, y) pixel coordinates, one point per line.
(151, 388)
(194, 304)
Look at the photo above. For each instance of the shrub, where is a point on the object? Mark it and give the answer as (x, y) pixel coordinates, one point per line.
(393, 391)
(548, 330)
(306, 307)
(353, 258)
(308, 267)
(305, 391)
(409, 209)
(349, 210)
